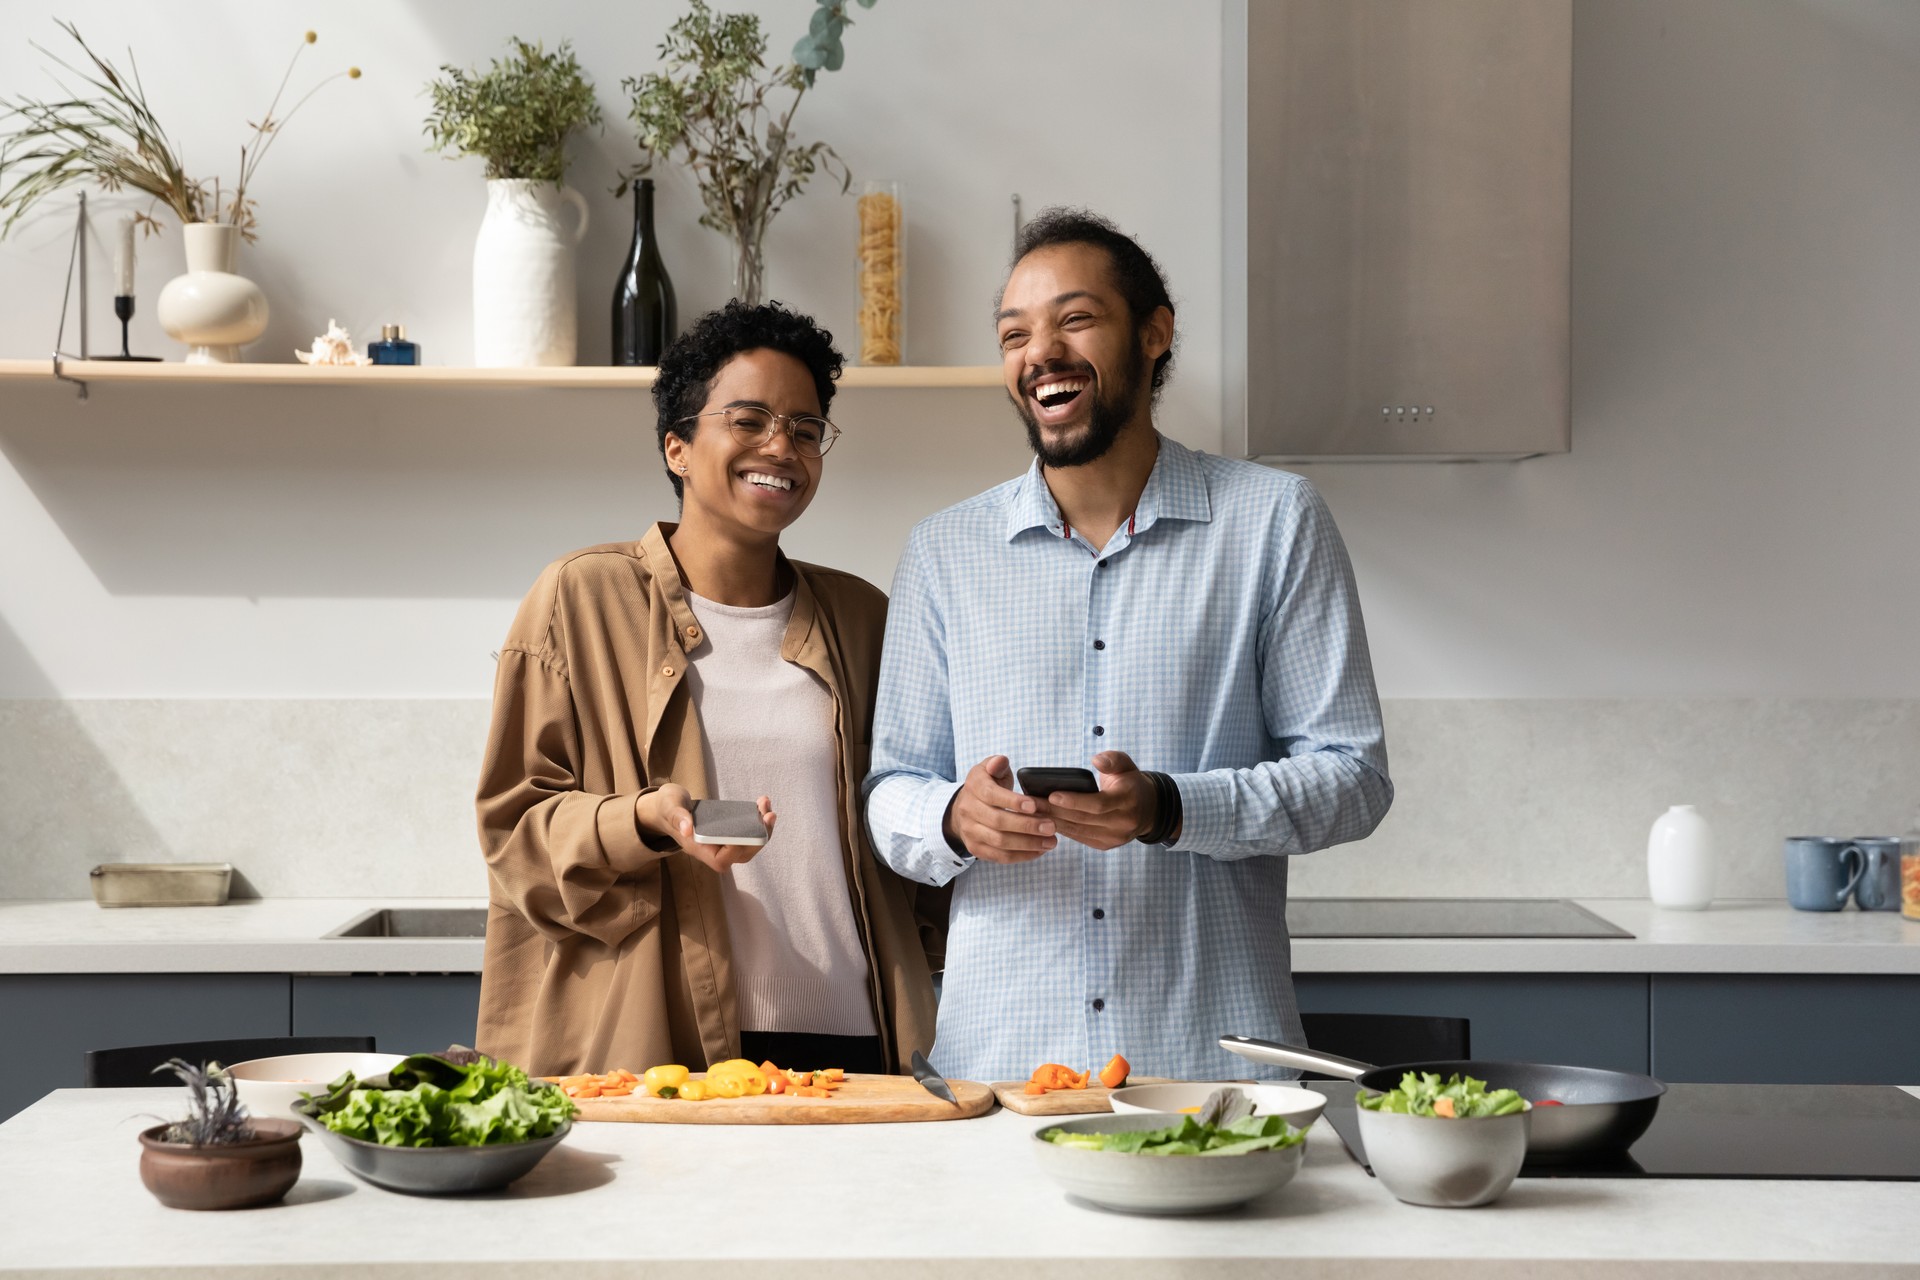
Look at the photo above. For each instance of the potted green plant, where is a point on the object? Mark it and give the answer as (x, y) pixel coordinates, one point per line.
(517, 116)
(105, 132)
(218, 1157)
(725, 114)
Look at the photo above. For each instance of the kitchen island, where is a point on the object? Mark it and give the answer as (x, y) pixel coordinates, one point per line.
(902, 1201)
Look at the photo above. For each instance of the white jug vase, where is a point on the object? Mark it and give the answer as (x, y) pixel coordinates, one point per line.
(523, 290)
(212, 310)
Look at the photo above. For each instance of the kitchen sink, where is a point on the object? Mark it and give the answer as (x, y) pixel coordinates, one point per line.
(416, 922)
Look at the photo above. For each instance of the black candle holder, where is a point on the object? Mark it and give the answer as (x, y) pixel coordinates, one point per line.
(123, 308)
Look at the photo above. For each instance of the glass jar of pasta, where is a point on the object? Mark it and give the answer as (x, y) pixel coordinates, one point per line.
(1910, 871)
(883, 274)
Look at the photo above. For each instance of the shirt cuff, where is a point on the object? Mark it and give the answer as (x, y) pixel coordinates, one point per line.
(1206, 814)
(933, 827)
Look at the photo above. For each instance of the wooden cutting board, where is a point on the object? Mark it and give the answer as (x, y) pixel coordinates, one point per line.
(1061, 1102)
(861, 1100)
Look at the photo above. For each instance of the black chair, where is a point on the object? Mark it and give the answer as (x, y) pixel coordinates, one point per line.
(1387, 1038)
(132, 1067)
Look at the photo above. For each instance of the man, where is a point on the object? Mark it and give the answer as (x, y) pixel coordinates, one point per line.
(1133, 605)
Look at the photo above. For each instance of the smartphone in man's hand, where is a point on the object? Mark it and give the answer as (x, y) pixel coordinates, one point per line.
(728, 822)
(1046, 781)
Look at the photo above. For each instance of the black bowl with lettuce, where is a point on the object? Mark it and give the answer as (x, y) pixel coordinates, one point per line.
(440, 1123)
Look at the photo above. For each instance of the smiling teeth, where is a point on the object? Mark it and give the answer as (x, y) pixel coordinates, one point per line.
(1046, 389)
(769, 482)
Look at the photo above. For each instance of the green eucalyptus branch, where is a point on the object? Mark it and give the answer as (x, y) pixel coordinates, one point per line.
(710, 109)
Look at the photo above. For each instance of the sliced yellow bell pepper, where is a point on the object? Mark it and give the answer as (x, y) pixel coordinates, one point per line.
(658, 1078)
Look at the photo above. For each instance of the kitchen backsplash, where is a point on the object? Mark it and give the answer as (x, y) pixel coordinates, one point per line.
(1523, 798)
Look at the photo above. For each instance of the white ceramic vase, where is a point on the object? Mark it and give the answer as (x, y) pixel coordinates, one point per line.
(523, 292)
(1680, 860)
(212, 310)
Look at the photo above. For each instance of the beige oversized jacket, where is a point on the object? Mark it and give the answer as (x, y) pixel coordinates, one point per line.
(602, 952)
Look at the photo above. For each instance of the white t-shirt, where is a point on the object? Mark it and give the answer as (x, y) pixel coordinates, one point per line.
(797, 961)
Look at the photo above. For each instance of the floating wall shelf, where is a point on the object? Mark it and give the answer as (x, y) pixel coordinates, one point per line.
(896, 377)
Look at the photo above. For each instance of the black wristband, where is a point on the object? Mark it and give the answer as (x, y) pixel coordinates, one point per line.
(946, 828)
(1166, 818)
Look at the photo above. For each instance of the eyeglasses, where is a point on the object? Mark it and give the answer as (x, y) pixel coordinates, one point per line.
(751, 425)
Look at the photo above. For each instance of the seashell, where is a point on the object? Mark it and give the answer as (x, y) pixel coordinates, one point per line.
(334, 347)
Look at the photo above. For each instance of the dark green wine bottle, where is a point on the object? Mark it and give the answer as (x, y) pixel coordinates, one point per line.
(643, 312)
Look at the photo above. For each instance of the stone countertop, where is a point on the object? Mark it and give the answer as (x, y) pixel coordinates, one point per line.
(929, 1201)
(285, 935)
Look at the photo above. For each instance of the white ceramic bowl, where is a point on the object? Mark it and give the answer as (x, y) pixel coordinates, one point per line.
(270, 1086)
(1160, 1184)
(1300, 1107)
(1447, 1164)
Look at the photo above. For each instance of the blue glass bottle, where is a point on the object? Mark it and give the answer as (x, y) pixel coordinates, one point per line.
(393, 347)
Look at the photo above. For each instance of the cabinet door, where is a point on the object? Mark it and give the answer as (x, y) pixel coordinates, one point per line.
(1580, 1019)
(1787, 1028)
(53, 1019)
(403, 1012)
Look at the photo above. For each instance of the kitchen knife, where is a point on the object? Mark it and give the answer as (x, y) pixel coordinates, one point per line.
(935, 1083)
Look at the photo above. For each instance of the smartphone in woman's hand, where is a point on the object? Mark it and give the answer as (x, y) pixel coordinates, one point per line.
(728, 822)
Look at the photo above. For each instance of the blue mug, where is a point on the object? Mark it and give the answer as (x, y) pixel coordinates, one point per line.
(1822, 872)
(1879, 886)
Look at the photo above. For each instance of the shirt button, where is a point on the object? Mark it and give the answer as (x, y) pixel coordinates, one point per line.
(1099, 914)
(1099, 644)
(666, 671)
(1098, 1005)
(1103, 564)
(1099, 730)
(693, 633)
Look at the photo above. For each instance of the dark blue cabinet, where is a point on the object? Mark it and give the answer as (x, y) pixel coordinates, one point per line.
(1585, 1019)
(52, 1019)
(1787, 1028)
(403, 1012)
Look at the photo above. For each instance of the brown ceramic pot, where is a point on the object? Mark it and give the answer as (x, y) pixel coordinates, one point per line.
(236, 1175)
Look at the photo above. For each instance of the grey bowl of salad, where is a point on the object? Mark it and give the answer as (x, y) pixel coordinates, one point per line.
(440, 1124)
(1447, 1143)
(1142, 1162)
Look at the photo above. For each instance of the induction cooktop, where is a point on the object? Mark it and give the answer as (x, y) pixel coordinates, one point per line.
(1445, 918)
(1795, 1131)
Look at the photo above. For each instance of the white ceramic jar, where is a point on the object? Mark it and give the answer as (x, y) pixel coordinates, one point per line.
(1680, 860)
(523, 275)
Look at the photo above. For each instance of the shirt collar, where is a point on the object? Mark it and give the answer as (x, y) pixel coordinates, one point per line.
(1176, 490)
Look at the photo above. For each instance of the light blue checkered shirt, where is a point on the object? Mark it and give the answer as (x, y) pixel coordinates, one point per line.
(1232, 657)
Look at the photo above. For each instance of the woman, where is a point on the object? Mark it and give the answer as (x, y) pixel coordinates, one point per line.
(699, 662)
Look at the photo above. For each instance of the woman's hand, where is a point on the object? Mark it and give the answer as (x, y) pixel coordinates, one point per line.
(667, 814)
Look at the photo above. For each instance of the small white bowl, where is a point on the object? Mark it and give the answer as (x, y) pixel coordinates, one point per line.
(1442, 1163)
(270, 1086)
(1160, 1184)
(1300, 1107)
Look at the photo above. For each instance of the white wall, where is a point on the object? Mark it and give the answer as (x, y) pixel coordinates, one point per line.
(268, 543)
(1736, 517)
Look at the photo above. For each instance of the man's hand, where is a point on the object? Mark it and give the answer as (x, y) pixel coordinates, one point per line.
(667, 814)
(1122, 810)
(994, 821)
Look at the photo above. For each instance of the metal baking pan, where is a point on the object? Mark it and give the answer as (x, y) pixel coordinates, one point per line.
(162, 884)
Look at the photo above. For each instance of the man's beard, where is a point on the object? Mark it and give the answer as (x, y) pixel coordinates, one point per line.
(1109, 414)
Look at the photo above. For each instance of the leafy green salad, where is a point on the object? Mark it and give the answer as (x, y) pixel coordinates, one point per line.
(1458, 1098)
(1225, 1126)
(457, 1099)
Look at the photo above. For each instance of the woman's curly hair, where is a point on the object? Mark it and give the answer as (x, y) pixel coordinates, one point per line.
(689, 366)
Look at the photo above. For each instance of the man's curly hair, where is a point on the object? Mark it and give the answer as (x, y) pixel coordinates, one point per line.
(689, 366)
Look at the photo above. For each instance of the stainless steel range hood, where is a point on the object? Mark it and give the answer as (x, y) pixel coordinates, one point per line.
(1398, 196)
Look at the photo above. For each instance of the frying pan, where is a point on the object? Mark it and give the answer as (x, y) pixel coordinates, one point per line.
(1602, 1112)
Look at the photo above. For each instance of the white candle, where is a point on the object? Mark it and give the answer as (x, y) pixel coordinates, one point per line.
(124, 259)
